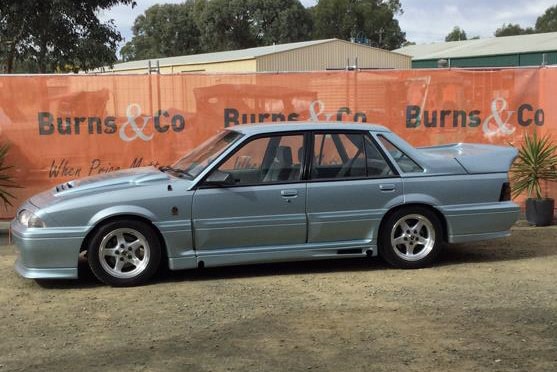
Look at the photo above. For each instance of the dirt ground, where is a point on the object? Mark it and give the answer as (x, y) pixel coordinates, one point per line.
(489, 306)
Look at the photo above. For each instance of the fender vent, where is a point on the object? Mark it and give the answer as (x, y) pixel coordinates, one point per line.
(64, 186)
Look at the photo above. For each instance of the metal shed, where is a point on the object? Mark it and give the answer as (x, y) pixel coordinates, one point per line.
(507, 51)
(316, 55)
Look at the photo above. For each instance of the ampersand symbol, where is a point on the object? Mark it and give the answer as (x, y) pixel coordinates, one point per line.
(502, 126)
(314, 114)
(133, 112)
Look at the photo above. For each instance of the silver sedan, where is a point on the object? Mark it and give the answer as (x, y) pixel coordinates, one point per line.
(266, 193)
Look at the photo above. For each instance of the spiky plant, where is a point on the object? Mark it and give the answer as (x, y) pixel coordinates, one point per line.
(536, 162)
(6, 180)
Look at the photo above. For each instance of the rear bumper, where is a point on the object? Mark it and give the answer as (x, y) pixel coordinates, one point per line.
(46, 253)
(466, 223)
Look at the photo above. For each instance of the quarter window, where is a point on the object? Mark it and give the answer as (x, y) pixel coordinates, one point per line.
(406, 164)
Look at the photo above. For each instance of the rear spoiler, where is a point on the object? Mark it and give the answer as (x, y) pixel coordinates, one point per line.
(476, 158)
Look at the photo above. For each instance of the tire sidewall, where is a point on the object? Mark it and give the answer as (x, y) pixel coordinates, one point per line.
(387, 251)
(154, 245)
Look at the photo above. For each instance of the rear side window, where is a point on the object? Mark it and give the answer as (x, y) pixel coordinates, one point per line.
(406, 164)
(347, 155)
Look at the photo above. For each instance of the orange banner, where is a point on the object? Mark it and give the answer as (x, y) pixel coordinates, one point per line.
(62, 127)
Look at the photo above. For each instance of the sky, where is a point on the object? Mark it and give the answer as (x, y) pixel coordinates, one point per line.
(424, 21)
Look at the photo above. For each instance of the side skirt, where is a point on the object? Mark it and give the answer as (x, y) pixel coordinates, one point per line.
(299, 252)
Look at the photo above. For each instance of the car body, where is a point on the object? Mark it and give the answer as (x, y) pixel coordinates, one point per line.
(266, 193)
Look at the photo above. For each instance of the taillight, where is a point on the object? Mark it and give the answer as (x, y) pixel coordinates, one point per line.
(505, 192)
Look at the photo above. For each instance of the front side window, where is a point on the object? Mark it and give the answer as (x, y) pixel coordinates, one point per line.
(406, 164)
(266, 160)
(199, 158)
(347, 155)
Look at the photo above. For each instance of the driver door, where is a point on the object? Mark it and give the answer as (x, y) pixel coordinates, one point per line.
(263, 211)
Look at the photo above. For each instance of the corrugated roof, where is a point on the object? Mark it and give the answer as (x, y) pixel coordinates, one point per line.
(230, 55)
(483, 47)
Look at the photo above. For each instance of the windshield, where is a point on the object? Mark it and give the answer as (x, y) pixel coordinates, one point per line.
(199, 158)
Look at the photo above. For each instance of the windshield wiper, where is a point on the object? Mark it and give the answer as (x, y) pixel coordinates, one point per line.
(176, 170)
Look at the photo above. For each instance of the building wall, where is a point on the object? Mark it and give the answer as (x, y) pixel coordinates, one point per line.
(248, 65)
(332, 55)
(505, 60)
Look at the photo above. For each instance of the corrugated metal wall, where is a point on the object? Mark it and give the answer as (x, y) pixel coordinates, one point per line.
(332, 55)
(503, 60)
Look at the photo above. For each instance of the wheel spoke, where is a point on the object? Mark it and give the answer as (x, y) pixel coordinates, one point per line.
(135, 244)
(121, 240)
(409, 249)
(418, 226)
(135, 261)
(404, 226)
(399, 240)
(109, 252)
(422, 240)
(119, 265)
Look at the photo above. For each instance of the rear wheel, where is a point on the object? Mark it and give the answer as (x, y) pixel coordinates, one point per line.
(411, 238)
(124, 253)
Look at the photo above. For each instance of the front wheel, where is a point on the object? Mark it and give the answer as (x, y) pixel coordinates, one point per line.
(124, 253)
(411, 238)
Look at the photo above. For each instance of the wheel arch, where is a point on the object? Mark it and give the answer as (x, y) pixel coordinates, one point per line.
(127, 216)
(437, 212)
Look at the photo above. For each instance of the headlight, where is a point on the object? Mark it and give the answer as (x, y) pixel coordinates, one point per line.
(28, 218)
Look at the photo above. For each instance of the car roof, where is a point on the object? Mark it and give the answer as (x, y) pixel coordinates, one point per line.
(251, 129)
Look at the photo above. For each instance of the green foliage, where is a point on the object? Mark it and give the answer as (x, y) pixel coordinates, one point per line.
(6, 181)
(536, 162)
(209, 26)
(372, 19)
(456, 34)
(164, 31)
(548, 21)
(226, 25)
(511, 30)
(57, 35)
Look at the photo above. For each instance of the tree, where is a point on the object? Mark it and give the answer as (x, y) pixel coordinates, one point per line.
(513, 29)
(369, 20)
(280, 22)
(209, 26)
(456, 34)
(238, 24)
(57, 35)
(548, 21)
(164, 31)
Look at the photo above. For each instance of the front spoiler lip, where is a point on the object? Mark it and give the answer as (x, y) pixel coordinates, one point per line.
(53, 273)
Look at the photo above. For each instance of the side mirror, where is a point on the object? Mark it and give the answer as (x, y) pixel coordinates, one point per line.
(219, 178)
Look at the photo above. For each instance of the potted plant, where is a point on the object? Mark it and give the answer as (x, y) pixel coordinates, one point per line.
(6, 180)
(536, 162)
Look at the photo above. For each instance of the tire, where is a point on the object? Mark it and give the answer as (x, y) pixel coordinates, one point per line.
(411, 238)
(124, 253)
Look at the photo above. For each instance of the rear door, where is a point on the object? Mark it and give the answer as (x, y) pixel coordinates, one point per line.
(351, 186)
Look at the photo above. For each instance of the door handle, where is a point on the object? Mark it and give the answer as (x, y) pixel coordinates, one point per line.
(289, 193)
(387, 187)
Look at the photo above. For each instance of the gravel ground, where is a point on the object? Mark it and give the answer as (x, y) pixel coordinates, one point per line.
(488, 306)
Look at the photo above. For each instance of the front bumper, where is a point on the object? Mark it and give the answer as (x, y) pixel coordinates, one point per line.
(47, 253)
